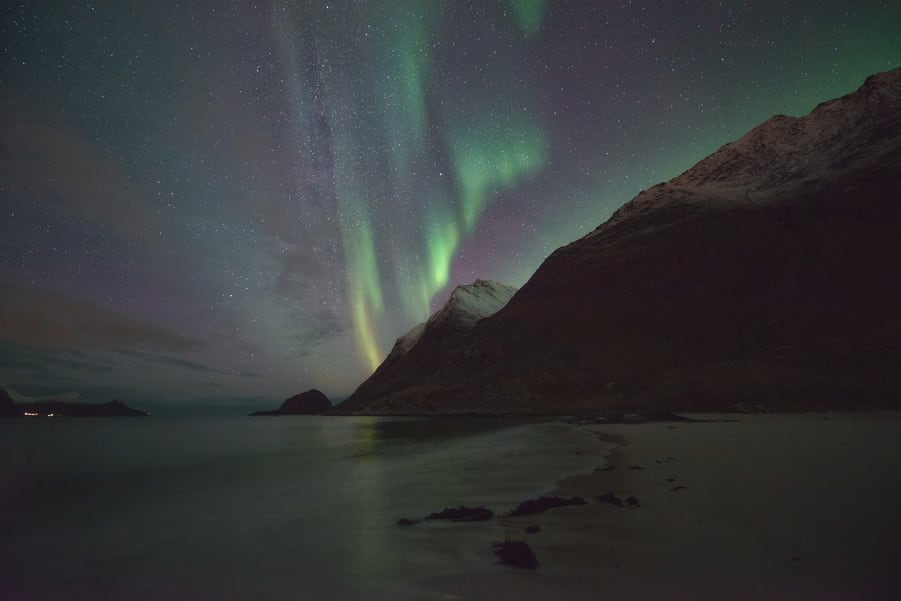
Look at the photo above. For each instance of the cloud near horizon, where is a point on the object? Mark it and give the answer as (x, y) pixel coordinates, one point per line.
(44, 319)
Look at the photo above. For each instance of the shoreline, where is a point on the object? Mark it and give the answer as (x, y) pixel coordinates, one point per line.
(750, 506)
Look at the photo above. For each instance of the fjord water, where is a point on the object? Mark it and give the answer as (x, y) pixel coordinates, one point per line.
(263, 508)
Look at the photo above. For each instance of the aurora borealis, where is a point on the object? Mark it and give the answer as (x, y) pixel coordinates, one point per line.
(218, 204)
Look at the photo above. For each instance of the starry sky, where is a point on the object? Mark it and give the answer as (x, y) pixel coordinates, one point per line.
(208, 206)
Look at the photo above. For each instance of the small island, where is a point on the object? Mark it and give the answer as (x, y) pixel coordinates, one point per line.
(311, 402)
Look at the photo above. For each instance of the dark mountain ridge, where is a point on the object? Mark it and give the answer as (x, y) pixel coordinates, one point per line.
(767, 275)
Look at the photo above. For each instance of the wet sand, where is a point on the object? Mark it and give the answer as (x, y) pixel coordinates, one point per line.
(799, 506)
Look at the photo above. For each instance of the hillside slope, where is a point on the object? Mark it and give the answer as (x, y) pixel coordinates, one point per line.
(769, 274)
(416, 355)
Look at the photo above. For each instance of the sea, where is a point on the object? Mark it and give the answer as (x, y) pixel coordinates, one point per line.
(264, 508)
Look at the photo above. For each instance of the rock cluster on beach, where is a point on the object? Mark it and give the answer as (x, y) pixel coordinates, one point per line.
(611, 499)
(514, 553)
(462, 514)
(542, 504)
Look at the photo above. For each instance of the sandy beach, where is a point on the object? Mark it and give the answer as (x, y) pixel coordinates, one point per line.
(788, 506)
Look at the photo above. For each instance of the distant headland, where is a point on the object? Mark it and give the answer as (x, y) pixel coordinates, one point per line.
(10, 408)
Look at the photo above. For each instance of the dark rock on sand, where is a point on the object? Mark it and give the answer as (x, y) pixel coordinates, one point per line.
(611, 499)
(462, 514)
(407, 522)
(542, 504)
(533, 529)
(619, 417)
(516, 553)
(632, 502)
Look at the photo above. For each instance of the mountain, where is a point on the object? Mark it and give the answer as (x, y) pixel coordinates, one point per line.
(467, 305)
(768, 275)
(417, 354)
(311, 402)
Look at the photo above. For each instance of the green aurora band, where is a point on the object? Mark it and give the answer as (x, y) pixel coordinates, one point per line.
(443, 149)
(393, 63)
(493, 155)
(528, 14)
(288, 186)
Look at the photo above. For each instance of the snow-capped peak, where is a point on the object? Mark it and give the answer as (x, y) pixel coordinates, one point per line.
(468, 304)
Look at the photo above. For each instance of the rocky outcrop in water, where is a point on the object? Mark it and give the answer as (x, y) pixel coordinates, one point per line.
(311, 402)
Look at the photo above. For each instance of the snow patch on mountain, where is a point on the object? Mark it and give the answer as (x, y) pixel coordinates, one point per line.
(472, 302)
(467, 305)
(787, 156)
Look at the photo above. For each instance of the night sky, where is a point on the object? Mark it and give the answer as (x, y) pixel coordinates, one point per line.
(216, 205)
